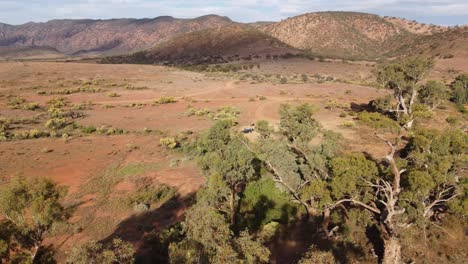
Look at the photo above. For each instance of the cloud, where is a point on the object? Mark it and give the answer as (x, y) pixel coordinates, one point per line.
(20, 11)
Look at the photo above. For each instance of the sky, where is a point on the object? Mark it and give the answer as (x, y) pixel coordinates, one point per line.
(441, 12)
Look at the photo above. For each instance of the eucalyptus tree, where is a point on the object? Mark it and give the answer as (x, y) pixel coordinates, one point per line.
(297, 164)
(404, 78)
(411, 188)
(224, 156)
(30, 208)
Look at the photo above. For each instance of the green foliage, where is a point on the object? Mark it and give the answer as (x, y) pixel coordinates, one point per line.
(264, 129)
(252, 251)
(88, 129)
(383, 104)
(209, 237)
(32, 207)
(118, 251)
(378, 121)
(460, 89)
(348, 172)
(228, 113)
(209, 229)
(263, 203)
(433, 93)
(315, 256)
(403, 74)
(403, 77)
(297, 123)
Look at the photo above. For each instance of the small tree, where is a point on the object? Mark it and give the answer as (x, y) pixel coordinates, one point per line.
(460, 89)
(403, 78)
(93, 252)
(432, 94)
(31, 208)
(299, 167)
(208, 233)
(225, 155)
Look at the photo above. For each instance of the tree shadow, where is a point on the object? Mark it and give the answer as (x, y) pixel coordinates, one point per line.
(355, 107)
(142, 229)
(373, 234)
(254, 218)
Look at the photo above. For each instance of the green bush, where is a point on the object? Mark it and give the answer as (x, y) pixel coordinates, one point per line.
(377, 120)
(88, 129)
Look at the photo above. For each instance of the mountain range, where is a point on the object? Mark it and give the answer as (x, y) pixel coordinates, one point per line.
(212, 38)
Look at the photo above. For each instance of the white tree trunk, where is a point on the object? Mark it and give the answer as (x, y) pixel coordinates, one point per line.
(392, 251)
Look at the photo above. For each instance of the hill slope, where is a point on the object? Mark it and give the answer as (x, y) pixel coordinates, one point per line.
(104, 36)
(232, 42)
(447, 44)
(27, 52)
(345, 34)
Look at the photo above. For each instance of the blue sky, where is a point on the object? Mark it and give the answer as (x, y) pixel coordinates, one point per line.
(443, 12)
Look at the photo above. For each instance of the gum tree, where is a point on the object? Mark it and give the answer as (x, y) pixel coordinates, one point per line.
(404, 77)
(224, 156)
(296, 165)
(414, 186)
(31, 208)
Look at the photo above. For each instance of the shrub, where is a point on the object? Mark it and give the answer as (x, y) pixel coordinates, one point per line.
(377, 120)
(169, 142)
(166, 100)
(197, 112)
(56, 123)
(453, 120)
(16, 102)
(113, 95)
(88, 129)
(348, 124)
(226, 113)
(283, 80)
(460, 89)
(31, 106)
(57, 102)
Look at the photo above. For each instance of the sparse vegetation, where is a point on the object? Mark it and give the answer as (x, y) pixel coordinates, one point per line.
(165, 100)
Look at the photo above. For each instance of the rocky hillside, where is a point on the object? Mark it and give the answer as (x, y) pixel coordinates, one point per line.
(346, 34)
(104, 36)
(451, 43)
(229, 43)
(415, 27)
